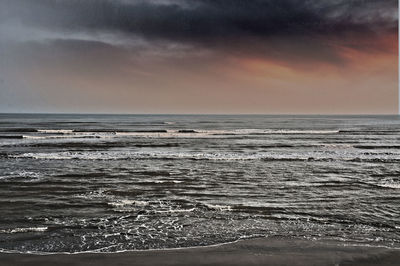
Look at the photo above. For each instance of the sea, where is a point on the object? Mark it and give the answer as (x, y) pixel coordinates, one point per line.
(107, 183)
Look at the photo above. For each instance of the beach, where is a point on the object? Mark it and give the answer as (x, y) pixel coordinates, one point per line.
(262, 251)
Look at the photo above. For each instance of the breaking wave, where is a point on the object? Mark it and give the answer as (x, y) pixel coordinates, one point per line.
(129, 155)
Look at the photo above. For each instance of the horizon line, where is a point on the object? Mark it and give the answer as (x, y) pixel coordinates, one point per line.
(193, 114)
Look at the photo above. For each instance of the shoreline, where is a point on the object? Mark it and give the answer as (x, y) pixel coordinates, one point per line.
(257, 251)
(264, 238)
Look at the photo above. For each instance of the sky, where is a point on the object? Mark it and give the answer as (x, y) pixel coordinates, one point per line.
(199, 56)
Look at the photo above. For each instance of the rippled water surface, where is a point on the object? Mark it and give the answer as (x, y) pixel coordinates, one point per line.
(71, 183)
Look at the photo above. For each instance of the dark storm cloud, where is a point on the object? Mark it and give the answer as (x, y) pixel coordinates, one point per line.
(203, 19)
(270, 27)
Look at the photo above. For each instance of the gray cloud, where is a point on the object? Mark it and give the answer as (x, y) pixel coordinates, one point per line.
(166, 54)
(309, 29)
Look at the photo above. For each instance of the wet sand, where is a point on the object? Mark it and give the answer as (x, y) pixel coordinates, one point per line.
(263, 251)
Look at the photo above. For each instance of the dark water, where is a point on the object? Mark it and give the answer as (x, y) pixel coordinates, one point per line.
(71, 183)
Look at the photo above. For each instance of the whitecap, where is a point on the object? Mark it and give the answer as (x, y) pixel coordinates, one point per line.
(24, 230)
(218, 207)
(126, 202)
(390, 184)
(55, 131)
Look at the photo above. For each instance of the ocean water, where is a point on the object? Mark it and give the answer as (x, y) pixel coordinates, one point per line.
(105, 183)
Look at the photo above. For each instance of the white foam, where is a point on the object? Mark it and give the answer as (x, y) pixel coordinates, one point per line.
(24, 230)
(56, 131)
(390, 184)
(177, 210)
(336, 146)
(21, 174)
(342, 155)
(282, 131)
(126, 202)
(198, 133)
(167, 181)
(218, 207)
(168, 134)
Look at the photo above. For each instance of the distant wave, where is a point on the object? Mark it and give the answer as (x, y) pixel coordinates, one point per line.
(55, 131)
(295, 145)
(183, 132)
(37, 134)
(266, 156)
(60, 137)
(51, 133)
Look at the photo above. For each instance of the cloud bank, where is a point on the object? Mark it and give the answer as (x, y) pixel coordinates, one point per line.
(311, 28)
(198, 37)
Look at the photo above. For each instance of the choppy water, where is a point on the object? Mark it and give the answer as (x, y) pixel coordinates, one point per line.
(71, 183)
